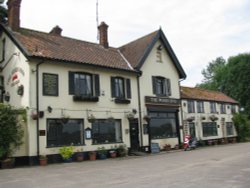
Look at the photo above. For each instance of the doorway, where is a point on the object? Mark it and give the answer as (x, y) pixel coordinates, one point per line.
(192, 130)
(134, 135)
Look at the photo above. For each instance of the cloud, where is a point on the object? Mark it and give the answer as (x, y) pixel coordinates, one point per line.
(198, 30)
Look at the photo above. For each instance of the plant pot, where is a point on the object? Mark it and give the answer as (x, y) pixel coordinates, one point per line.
(43, 162)
(79, 157)
(113, 154)
(92, 156)
(7, 163)
(102, 156)
(69, 160)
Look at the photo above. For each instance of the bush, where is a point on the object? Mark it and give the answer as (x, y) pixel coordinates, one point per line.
(66, 151)
(242, 125)
(11, 132)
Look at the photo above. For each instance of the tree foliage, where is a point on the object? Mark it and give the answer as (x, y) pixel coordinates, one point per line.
(242, 125)
(3, 13)
(231, 77)
(11, 132)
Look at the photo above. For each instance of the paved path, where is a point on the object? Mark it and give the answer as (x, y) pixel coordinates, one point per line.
(225, 166)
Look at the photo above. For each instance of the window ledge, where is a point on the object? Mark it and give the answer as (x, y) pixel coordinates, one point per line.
(122, 101)
(85, 98)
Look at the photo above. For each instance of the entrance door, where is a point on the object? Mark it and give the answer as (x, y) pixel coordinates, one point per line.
(134, 135)
(192, 130)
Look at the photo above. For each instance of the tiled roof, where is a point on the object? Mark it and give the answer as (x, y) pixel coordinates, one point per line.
(207, 95)
(134, 51)
(45, 45)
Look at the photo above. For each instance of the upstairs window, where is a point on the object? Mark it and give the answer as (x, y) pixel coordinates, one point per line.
(191, 108)
(233, 109)
(222, 108)
(161, 86)
(84, 86)
(200, 107)
(213, 107)
(121, 89)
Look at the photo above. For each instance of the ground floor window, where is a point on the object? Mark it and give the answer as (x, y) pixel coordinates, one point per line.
(209, 129)
(61, 133)
(229, 127)
(192, 130)
(162, 125)
(105, 131)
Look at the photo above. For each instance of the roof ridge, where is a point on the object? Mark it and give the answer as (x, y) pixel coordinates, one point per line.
(138, 39)
(60, 36)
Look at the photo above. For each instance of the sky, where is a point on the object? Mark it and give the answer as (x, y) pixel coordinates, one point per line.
(198, 30)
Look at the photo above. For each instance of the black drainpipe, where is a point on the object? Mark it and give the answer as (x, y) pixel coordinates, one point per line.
(139, 107)
(37, 107)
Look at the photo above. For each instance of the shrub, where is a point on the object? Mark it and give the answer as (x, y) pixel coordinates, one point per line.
(242, 125)
(11, 132)
(66, 152)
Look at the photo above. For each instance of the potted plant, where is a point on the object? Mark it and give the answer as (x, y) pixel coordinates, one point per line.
(167, 147)
(79, 155)
(113, 152)
(92, 155)
(122, 150)
(102, 153)
(43, 160)
(67, 152)
(91, 118)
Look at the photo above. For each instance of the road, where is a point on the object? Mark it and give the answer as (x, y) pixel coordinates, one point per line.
(209, 167)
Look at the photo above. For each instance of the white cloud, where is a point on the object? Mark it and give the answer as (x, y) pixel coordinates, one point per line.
(198, 30)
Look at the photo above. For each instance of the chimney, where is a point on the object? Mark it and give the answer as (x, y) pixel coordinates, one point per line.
(56, 31)
(103, 34)
(14, 14)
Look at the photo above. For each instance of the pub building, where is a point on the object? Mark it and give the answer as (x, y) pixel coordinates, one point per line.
(87, 94)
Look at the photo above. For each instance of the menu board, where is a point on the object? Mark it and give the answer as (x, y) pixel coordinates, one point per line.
(50, 84)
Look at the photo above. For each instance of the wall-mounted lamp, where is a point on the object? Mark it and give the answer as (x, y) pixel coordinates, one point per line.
(49, 108)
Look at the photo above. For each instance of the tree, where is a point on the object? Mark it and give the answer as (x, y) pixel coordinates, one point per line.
(11, 132)
(213, 74)
(242, 125)
(3, 13)
(231, 77)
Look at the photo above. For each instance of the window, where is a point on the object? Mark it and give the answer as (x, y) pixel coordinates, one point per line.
(3, 46)
(161, 86)
(229, 126)
(84, 86)
(191, 108)
(212, 107)
(200, 107)
(222, 108)
(233, 109)
(209, 129)
(60, 133)
(163, 125)
(104, 131)
(121, 89)
(159, 55)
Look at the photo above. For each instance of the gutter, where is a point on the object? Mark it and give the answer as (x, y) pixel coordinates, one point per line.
(37, 107)
(139, 107)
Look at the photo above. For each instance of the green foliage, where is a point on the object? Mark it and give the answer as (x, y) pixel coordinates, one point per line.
(232, 78)
(102, 150)
(11, 132)
(242, 125)
(122, 150)
(66, 151)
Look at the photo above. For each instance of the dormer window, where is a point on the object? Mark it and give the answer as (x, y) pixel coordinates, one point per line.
(161, 86)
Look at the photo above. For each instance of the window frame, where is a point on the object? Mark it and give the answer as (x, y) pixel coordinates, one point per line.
(3, 52)
(191, 106)
(94, 87)
(123, 85)
(161, 84)
(116, 122)
(229, 128)
(211, 128)
(200, 107)
(213, 109)
(58, 122)
(223, 108)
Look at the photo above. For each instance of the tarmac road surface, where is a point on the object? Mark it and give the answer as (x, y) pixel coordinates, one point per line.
(225, 166)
